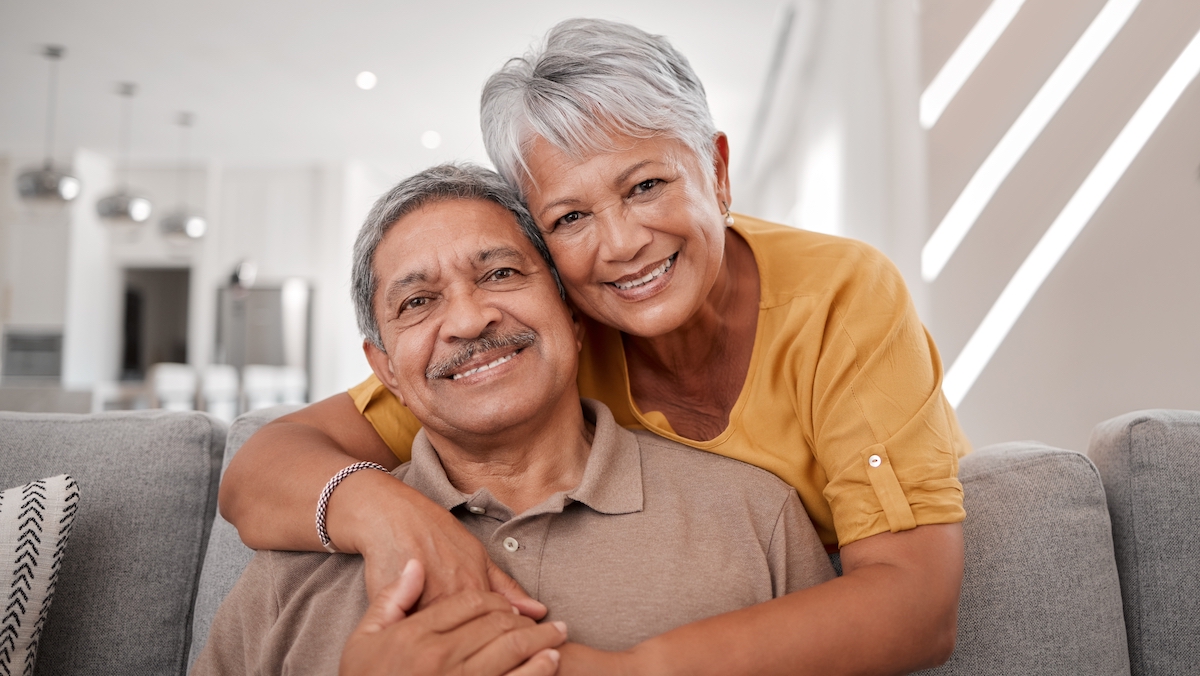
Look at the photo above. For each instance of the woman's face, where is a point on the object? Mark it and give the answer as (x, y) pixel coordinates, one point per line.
(638, 234)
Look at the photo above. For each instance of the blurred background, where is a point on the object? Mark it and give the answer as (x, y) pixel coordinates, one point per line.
(181, 183)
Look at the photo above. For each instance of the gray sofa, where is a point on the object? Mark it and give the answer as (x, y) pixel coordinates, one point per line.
(1074, 564)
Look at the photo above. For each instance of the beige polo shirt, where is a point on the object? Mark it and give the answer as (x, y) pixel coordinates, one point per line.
(655, 536)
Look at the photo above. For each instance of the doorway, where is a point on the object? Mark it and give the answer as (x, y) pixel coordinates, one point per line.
(155, 327)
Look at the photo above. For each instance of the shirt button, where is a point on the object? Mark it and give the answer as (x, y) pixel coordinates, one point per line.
(875, 461)
(511, 544)
(476, 509)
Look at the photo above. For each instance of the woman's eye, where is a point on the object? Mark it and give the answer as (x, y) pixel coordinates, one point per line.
(646, 185)
(568, 219)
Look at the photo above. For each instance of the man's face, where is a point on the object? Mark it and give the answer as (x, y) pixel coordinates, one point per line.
(477, 338)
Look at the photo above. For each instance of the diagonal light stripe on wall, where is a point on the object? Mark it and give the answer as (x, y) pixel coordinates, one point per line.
(1028, 126)
(1069, 223)
(965, 59)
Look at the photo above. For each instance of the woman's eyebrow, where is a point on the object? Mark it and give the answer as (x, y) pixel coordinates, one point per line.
(620, 180)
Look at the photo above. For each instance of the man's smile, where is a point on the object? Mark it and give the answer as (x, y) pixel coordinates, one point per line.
(490, 365)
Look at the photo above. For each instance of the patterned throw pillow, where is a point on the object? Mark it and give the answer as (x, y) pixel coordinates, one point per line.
(35, 520)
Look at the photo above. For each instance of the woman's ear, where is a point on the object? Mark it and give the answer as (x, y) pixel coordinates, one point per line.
(720, 161)
(382, 366)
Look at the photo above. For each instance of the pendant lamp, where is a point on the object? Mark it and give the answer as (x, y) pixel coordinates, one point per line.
(125, 205)
(183, 223)
(49, 182)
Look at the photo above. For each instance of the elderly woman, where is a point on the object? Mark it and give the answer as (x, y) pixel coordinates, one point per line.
(797, 352)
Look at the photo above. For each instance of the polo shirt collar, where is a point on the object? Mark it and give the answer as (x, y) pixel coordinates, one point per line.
(612, 478)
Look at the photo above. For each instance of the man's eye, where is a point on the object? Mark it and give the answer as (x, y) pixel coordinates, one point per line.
(414, 303)
(502, 273)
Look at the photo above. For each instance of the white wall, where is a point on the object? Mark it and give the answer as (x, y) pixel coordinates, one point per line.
(92, 332)
(33, 255)
(837, 148)
(1115, 326)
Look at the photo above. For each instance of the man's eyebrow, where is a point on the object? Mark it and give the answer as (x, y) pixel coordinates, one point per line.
(399, 286)
(501, 253)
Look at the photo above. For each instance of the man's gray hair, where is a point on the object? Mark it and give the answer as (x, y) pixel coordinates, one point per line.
(436, 184)
(589, 79)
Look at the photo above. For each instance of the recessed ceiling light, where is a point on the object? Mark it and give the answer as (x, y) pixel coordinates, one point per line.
(431, 139)
(366, 80)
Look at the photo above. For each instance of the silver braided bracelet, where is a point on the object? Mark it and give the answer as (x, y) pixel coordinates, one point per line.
(323, 501)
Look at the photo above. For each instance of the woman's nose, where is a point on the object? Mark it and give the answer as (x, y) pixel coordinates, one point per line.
(621, 236)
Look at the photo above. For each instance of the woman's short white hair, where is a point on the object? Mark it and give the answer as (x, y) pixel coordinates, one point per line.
(589, 79)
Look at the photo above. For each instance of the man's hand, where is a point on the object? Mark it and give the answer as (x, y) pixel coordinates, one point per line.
(472, 632)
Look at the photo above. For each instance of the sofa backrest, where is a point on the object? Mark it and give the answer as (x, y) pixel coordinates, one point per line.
(148, 489)
(1040, 592)
(1150, 464)
(226, 556)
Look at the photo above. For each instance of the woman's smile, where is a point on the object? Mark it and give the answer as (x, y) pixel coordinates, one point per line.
(646, 282)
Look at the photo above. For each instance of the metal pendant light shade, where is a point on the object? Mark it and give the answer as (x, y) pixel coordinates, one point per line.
(48, 183)
(183, 224)
(124, 205)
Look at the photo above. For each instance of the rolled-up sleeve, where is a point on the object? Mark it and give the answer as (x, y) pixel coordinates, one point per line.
(882, 429)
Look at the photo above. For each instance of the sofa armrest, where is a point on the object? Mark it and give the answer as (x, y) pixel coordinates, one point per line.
(1040, 592)
(1150, 464)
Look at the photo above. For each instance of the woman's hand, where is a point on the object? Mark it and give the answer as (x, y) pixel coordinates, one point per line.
(389, 523)
(470, 632)
(269, 492)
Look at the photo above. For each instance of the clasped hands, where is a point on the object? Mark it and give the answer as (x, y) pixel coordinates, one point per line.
(471, 632)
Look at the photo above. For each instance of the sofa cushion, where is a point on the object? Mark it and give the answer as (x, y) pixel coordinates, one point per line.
(1040, 592)
(124, 594)
(226, 556)
(35, 522)
(1150, 464)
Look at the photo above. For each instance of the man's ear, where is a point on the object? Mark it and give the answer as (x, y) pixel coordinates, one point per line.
(577, 326)
(382, 366)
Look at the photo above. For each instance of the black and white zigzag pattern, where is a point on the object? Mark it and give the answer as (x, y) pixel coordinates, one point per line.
(35, 521)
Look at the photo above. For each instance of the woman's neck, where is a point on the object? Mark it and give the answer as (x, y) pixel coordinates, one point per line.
(695, 373)
(721, 319)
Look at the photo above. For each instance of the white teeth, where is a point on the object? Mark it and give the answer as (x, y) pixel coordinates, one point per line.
(656, 272)
(485, 367)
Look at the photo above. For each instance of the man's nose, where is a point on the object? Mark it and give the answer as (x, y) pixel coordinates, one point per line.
(467, 315)
(621, 235)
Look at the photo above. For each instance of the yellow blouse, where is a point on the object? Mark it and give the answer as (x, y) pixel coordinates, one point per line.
(843, 399)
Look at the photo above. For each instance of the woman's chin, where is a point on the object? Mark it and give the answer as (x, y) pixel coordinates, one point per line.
(646, 322)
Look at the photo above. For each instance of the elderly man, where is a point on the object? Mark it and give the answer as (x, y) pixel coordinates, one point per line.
(620, 535)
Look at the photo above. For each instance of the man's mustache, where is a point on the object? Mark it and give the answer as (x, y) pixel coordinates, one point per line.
(490, 340)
